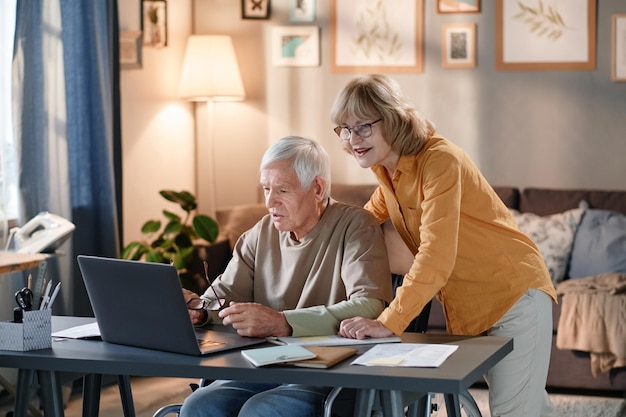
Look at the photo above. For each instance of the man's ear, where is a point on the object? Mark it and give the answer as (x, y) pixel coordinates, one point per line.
(320, 188)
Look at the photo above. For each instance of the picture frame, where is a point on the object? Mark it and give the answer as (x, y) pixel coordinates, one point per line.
(545, 35)
(385, 36)
(458, 45)
(618, 48)
(302, 11)
(154, 22)
(130, 49)
(458, 6)
(296, 46)
(255, 9)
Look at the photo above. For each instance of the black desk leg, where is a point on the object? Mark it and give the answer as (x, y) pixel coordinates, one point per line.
(51, 393)
(91, 394)
(22, 391)
(126, 395)
(452, 405)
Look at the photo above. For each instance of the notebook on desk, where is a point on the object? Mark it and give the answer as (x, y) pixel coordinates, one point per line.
(141, 304)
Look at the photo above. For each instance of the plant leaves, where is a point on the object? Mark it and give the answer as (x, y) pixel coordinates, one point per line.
(206, 227)
(151, 226)
(172, 216)
(183, 241)
(166, 243)
(184, 199)
(175, 243)
(134, 251)
(154, 256)
(173, 227)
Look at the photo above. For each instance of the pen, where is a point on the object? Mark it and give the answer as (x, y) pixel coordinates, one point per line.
(53, 296)
(46, 296)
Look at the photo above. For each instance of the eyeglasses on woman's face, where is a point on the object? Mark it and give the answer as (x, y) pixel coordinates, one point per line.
(363, 130)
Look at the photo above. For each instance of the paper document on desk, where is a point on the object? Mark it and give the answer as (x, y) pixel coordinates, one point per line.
(417, 355)
(84, 331)
(331, 340)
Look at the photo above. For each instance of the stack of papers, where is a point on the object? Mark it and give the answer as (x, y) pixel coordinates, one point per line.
(418, 355)
(84, 331)
(277, 354)
(331, 340)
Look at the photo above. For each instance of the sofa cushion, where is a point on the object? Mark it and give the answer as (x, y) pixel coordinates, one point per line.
(599, 244)
(355, 194)
(553, 235)
(509, 195)
(233, 221)
(547, 201)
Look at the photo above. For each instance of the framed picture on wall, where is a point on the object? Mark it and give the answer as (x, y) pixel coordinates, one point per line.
(130, 49)
(376, 36)
(255, 9)
(458, 6)
(618, 50)
(545, 35)
(296, 46)
(458, 45)
(301, 10)
(154, 22)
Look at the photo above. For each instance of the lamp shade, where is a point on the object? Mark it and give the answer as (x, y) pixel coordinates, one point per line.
(210, 70)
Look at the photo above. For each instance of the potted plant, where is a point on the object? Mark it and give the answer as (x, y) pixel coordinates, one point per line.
(175, 243)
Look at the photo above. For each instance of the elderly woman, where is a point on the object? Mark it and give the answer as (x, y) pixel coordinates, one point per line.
(468, 252)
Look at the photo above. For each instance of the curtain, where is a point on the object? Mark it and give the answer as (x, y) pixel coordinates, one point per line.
(66, 107)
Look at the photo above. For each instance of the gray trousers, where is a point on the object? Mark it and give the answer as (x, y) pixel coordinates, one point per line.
(517, 383)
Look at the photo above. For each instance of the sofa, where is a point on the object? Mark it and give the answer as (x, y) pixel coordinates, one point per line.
(564, 224)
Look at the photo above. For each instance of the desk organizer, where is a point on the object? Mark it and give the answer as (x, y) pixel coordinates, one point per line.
(35, 332)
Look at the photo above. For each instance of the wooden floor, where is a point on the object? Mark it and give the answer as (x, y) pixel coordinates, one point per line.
(149, 394)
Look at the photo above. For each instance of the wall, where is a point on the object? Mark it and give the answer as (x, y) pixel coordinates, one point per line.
(540, 128)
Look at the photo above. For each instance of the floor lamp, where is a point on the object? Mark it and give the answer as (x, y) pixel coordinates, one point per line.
(210, 73)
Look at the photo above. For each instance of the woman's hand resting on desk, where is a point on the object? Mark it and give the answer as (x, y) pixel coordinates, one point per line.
(360, 328)
(255, 320)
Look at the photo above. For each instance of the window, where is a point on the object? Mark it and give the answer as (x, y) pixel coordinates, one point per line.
(8, 156)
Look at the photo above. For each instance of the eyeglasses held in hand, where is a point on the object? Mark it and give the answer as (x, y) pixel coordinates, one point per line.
(197, 304)
(206, 275)
(364, 130)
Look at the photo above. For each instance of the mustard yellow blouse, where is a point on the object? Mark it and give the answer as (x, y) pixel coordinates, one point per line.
(468, 250)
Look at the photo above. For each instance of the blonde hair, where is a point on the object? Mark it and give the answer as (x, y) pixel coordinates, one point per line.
(376, 96)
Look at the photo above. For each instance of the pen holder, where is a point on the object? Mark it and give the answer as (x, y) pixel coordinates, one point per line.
(35, 332)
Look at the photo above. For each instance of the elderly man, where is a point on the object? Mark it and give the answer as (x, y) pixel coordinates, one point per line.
(302, 269)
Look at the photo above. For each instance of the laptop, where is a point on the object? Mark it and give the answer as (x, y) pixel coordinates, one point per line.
(141, 304)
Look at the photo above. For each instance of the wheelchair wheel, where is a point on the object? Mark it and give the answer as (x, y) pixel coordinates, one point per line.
(468, 405)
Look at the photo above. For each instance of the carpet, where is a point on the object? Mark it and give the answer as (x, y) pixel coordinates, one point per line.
(567, 405)
(149, 394)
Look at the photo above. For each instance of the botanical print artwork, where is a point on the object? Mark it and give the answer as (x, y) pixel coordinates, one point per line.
(376, 38)
(542, 20)
(547, 31)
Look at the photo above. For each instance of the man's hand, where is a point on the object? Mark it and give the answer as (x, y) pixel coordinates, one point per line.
(255, 320)
(197, 316)
(360, 328)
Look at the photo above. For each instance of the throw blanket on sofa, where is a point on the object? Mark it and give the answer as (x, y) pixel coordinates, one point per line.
(593, 319)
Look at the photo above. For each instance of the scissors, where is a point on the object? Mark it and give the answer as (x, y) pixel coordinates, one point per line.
(24, 298)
